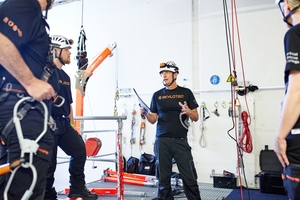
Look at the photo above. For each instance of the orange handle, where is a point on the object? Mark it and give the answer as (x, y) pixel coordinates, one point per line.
(4, 169)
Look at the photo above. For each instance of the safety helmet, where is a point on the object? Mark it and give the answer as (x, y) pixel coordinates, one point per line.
(61, 42)
(168, 66)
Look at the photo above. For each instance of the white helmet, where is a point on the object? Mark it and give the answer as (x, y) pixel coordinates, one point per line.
(169, 66)
(61, 42)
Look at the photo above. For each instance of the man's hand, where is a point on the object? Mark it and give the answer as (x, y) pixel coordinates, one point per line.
(193, 114)
(280, 150)
(184, 108)
(151, 117)
(40, 90)
(142, 110)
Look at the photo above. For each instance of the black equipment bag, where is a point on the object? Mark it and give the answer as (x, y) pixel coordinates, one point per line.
(133, 165)
(147, 164)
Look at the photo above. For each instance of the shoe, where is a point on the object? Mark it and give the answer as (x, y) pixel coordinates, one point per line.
(50, 194)
(84, 193)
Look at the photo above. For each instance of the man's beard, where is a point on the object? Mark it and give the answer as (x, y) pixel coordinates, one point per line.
(67, 61)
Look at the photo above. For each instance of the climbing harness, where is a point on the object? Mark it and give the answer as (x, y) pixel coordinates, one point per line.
(142, 132)
(203, 117)
(20, 91)
(27, 146)
(21, 108)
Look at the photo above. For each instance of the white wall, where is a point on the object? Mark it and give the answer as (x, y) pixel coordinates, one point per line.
(191, 33)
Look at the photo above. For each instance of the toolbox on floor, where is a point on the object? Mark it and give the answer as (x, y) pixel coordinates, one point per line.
(270, 180)
(225, 180)
(221, 181)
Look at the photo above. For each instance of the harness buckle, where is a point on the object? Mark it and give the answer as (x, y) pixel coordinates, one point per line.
(52, 124)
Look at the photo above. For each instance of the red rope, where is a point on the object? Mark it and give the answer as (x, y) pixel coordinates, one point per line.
(246, 139)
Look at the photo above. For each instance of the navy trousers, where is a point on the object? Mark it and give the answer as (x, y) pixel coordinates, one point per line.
(73, 145)
(165, 149)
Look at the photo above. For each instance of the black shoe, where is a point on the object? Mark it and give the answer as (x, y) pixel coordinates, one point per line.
(84, 193)
(50, 194)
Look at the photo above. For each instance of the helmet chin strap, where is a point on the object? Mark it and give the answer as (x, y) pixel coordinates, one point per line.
(49, 2)
(60, 59)
(173, 79)
(289, 15)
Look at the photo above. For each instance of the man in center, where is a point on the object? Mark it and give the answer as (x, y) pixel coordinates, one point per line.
(171, 107)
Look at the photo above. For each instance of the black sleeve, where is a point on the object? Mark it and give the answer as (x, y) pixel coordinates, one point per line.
(153, 107)
(18, 18)
(292, 49)
(192, 103)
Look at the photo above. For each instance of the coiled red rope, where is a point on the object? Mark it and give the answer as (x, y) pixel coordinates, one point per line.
(246, 139)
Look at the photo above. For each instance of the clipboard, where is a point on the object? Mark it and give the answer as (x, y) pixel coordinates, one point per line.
(142, 103)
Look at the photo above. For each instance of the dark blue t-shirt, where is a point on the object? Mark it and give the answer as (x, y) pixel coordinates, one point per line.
(166, 104)
(65, 92)
(292, 50)
(22, 22)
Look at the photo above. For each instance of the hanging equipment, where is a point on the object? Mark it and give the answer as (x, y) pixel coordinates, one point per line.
(82, 60)
(133, 123)
(85, 71)
(117, 93)
(203, 117)
(142, 132)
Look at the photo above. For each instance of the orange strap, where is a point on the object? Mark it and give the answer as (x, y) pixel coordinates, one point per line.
(293, 178)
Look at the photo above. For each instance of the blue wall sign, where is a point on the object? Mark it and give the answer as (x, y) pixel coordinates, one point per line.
(215, 79)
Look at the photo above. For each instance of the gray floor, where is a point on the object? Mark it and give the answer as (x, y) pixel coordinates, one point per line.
(207, 191)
